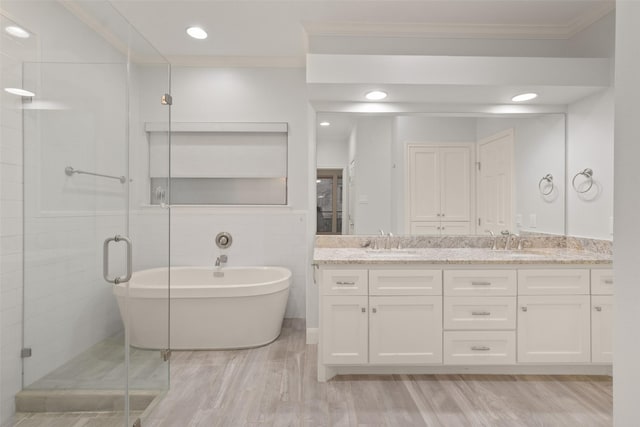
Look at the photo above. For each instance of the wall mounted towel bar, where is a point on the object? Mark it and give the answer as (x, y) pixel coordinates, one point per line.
(70, 171)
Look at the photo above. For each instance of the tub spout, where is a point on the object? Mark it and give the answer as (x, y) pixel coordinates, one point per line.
(222, 259)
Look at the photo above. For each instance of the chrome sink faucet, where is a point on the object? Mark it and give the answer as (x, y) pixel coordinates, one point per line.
(494, 246)
(508, 235)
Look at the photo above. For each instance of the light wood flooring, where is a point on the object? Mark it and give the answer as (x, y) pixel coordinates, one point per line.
(276, 385)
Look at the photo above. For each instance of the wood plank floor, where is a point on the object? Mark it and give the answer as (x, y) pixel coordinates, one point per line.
(276, 385)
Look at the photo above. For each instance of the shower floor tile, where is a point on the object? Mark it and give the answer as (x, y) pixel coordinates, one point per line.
(101, 367)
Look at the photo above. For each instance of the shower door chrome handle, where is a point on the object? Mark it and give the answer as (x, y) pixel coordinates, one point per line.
(105, 259)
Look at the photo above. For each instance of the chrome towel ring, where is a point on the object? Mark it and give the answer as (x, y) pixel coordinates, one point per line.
(548, 178)
(588, 174)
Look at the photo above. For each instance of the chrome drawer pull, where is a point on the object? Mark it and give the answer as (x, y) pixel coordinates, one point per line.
(364, 310)
(523, 308)
(480, 348)
(345, 283)
(608, 282)
(598, 308)
(481, 313)
(481, 283)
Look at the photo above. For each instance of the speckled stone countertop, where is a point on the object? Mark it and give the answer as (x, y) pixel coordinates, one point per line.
(457, 256)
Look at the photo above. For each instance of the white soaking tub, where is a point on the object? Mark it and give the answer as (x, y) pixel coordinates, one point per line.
(243, 308)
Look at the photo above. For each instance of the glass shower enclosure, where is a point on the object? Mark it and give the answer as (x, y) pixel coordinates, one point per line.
(88, 223)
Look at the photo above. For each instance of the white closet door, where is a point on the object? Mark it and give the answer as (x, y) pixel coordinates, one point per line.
(424, 184)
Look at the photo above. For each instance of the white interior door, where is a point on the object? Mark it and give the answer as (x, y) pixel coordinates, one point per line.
(495, 183)
(456, 184)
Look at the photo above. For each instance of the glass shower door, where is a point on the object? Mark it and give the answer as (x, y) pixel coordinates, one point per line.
(87, 217)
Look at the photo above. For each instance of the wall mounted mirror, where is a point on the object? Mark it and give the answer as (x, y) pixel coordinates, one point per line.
(440, 174)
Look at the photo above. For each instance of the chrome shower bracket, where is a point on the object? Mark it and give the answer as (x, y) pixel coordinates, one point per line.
(224, 240)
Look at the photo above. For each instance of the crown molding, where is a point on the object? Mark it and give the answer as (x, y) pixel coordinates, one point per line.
(591, 17)
(460, 30)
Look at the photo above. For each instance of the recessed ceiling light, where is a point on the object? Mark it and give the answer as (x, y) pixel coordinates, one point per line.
(19, 92)
(376, 95)
(524, 97)
(325, 124)
(318, 181)
(197, 33)
(17, 31)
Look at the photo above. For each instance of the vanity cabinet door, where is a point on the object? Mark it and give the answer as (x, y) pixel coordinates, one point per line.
(405, 330)
(601, 329)
(554, 329)
(344, 330)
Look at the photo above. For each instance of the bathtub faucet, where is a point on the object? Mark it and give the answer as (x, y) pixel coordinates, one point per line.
(222, 259)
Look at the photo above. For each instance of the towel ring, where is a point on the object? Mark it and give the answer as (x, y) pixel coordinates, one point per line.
(588, 174)
(548, 178)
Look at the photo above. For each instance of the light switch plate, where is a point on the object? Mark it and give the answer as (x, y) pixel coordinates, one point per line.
(533, 221)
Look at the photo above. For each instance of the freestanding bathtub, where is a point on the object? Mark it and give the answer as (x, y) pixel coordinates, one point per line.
(235, 308)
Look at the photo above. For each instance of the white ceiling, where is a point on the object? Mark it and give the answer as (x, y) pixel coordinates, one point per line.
(281, 33)
(266, 28)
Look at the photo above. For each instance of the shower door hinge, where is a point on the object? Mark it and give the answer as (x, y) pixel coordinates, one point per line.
(165, 355)
(166, 99)
(25, 352)
(137, 423)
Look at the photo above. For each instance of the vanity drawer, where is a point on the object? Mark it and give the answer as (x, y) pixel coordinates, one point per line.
(472, 313)
(480, 282)
(405, 282)
(553, 282)
(602, 282)
(344, 282)
(479, 348)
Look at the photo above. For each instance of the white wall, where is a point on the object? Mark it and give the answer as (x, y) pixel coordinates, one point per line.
(372, 190)
(590, 145)
(261, 235)
(539, 149)
(332, 154)
(626, 353)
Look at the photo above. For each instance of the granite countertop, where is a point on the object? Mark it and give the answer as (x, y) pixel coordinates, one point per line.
(457, 256)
